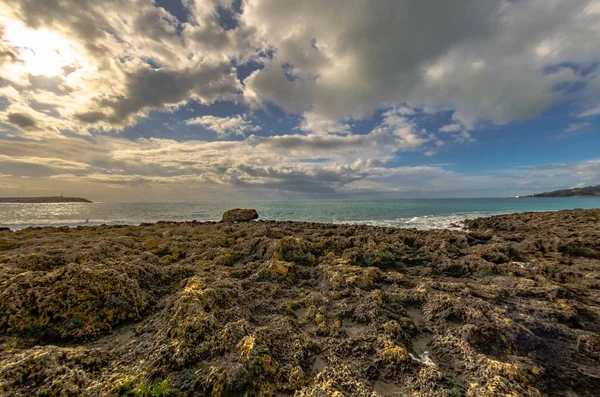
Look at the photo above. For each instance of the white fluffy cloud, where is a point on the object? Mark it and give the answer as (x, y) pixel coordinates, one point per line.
(225, 125)
(313, 123)
(451, 128)
(485, 60)
(106, 64)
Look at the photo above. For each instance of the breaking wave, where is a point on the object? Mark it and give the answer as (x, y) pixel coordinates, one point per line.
(453, 221)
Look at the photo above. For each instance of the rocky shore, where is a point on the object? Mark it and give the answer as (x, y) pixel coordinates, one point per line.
(509, 307)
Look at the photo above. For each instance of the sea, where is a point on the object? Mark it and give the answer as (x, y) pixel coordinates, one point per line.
(400, 213)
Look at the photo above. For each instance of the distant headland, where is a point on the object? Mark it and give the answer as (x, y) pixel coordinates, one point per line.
(39, 200)
(589, 191)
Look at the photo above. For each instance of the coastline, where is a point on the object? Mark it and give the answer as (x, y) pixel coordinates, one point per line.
(422, 214)
(512, 305)
(43, 200)
(426, 222)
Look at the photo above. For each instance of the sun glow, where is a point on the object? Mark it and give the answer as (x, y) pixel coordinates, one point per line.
(41, 52)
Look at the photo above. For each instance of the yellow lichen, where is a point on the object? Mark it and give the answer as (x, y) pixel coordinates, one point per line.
(393, 352)
(247, 346)
(343, 275)
(392, 328)
(297, 378)
(320, 320)
(280, 267)
(268, 363)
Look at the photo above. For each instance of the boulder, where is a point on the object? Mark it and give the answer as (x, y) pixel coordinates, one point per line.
(240, 215)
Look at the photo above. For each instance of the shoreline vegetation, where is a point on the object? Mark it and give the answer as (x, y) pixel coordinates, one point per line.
(43, 200)
(509, 306)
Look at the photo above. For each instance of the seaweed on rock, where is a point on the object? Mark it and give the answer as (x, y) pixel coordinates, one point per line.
(271, 308)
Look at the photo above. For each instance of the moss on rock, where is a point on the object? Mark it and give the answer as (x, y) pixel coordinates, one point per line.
(272, 308)
(73, 301)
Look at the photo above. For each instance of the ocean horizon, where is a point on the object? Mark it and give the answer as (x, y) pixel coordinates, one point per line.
(399, 213)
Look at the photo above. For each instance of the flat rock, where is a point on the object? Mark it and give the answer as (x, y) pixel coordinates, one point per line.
(240, 215)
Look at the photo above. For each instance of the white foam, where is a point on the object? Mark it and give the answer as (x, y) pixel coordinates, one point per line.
(451, 221)
(426, 222)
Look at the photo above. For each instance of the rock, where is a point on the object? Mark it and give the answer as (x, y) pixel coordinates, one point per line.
(45, 305)
(588, 344)
(524, 265)
(304, 309)
(240, 215)
(5, 229)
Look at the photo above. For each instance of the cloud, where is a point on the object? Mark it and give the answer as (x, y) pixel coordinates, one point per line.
(572, 130)
(8, 54)
(401, 127)
(109, 63)
(363, 78)
(451, 128)
(590, 112)
(38, 166)
(348, 69)
(292, 165)
(559, 175)
(485, 60)
(576, 127)
(314, 123)
(394, 134)
(161, 89)
(21, 120)
(281, 163)
(225, 125)
(405, 111)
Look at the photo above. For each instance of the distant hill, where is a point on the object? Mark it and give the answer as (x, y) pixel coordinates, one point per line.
(34, 200)
(590, 191)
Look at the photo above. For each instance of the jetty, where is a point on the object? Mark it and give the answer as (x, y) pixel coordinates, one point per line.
(38, 200)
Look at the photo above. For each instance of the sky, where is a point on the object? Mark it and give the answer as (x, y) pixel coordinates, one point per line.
(141, 100)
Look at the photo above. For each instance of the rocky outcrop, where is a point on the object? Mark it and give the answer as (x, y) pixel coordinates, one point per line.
(240, 215)
(511, 307)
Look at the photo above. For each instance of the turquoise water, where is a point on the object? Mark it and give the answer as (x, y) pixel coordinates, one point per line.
(419, 213)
